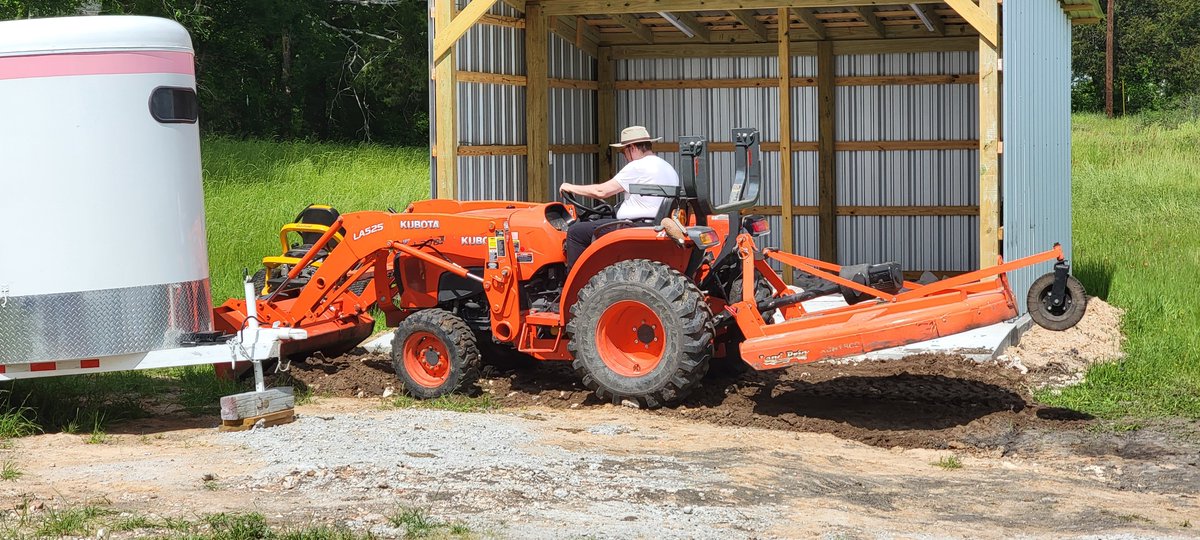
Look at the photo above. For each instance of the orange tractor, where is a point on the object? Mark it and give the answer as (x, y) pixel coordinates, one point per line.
(642, 312)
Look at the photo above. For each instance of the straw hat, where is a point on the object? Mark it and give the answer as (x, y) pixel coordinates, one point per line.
(634, 134)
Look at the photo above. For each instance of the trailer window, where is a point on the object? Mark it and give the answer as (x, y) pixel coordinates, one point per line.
(174, 105)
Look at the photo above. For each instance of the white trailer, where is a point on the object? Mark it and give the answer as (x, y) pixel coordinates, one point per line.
(103, 260)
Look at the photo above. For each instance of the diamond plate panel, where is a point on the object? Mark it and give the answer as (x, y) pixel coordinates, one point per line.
(90, 324)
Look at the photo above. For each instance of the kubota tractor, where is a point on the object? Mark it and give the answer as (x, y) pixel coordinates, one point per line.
(640, 314)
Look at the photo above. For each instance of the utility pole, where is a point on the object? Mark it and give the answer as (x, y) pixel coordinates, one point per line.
(1110, 58)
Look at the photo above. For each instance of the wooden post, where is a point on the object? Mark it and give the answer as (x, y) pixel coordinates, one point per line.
(606, 112)
(826, 152)
(989, 146)
(1110, 58)
(537, 103)
(446, 96)
(785, 135)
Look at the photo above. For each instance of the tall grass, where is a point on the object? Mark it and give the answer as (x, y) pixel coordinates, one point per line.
(251, 188)
(1137, 243)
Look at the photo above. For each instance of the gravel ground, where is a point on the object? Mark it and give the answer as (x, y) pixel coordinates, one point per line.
(480, 462)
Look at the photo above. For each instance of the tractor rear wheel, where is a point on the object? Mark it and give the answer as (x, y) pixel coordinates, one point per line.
(434, 354)
(641, 332)
(1056, 317)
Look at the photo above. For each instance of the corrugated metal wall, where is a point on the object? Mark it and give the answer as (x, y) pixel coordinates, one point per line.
(494, 114)
(1036, 164)
(864, 113)
(910, 177)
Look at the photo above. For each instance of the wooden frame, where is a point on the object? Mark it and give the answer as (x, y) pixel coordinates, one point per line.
(615, 30)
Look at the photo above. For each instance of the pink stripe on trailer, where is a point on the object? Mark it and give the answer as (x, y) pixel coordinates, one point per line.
(96, 63)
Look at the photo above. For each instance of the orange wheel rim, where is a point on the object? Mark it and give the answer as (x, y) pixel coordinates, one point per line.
(426, 359)
(630, 338)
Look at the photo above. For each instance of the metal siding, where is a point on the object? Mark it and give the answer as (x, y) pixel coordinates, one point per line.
(910, 177)
(494, 114)
(1036, 164)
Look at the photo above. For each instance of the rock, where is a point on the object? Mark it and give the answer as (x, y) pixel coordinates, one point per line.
(630, 404)
(688, 510)
(101, 533)
(208, 477)
(560, 493)
(387, 392)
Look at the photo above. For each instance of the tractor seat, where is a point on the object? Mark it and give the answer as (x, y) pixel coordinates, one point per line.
(314, 214)
(665, 209)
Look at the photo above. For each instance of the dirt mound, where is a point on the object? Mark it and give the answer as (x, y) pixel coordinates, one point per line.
(923, 401)
(1061, 358)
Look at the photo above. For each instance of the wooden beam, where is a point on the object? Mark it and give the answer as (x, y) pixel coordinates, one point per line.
(799, 48)
(459, 26)
(989, 147)
(868, 14)
(925, 13)
(594, 7)
(814, 24)
(479, 77)
(606, 112)
(694, 25)
(765, 82)
(446, 115)
(786, 182)
(826, 155)
(537, 103)
(632, 23)
(871, 211)
(982, 19)
(748, 19)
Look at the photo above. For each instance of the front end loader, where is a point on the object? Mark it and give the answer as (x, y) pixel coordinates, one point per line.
(642, 312)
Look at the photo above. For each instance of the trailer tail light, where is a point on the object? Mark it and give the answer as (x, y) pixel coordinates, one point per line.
(756, 225)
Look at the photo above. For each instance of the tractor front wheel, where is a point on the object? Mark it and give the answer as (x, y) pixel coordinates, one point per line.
(1051, 316)
(641, 332)
(434, 354)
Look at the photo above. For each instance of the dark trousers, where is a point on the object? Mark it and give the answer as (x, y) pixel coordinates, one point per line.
(579, 237)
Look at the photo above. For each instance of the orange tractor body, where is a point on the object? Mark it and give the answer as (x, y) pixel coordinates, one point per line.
(642, 312)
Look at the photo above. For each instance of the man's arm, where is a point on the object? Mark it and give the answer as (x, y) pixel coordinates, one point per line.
(595, 191)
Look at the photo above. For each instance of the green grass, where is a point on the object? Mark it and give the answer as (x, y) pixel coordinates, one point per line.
(1136, 195)
(251, 188)
(10, 471)
(949, 463)
(417, 523)
(83, 521)
(452, 402)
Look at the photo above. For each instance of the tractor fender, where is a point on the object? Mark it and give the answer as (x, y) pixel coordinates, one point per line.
(621, 245)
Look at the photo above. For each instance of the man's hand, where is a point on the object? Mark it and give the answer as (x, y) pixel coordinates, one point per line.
(595, 191)
(569, 188)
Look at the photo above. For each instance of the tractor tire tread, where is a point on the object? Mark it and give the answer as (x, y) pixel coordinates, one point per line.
(689, 307)
(459, 340)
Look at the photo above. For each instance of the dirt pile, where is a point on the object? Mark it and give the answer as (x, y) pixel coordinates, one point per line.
(1061, 358)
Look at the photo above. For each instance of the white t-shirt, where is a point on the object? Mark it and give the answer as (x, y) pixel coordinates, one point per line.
(647, 170)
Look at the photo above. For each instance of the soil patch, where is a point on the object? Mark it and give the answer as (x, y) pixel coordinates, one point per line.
(922, 401)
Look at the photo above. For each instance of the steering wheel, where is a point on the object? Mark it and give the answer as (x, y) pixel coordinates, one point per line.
(589, 213)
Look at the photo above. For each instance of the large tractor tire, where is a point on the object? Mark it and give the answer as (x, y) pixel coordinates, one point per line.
(641, 332)
(434, 354)
(1056, 317)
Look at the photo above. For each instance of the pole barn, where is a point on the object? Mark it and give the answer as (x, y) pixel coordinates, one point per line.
(933, 134)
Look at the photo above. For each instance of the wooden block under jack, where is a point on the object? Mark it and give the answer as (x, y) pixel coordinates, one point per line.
(256, 404)
(268, 420)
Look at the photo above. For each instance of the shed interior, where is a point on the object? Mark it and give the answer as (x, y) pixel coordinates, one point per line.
(881, 119)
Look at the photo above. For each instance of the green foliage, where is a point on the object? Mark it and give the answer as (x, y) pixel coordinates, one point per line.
(418, 523)
(1136, 192)
(308, 69)
(1158, 56)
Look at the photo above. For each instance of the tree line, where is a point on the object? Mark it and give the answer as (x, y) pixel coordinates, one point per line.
(1157, 57)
